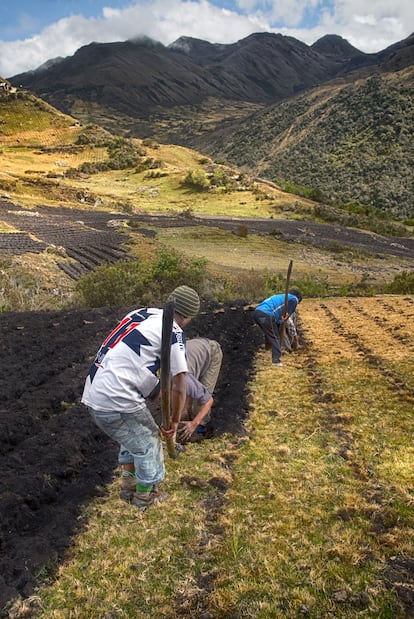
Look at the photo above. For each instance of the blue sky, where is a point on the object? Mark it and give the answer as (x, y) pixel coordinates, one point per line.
(33, 31)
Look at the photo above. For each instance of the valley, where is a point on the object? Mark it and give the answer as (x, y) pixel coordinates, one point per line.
(300, 502)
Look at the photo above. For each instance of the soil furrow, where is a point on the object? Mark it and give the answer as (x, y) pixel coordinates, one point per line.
(393, 329)
(395, 381)
(379, 496)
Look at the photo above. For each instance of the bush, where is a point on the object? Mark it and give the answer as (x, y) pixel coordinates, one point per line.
(241, 230)
(171, 269)
(401, 284)
(122, 283)
(313, 286)
(219, 178)
(196, 179)
(311, 193)
(93, 134)
(150, 143)
(144, 283)
(359, 216)
(156, 174)
(123, 154)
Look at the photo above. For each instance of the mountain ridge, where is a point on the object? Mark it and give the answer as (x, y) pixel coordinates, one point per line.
(209, 96)
(260, 68)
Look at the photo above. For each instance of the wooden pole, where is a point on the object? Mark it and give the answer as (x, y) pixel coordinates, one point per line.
(165, 372)
(285, 309)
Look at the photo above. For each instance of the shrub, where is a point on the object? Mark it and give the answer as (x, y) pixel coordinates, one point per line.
(150, 143)
(156, 174)
(197, 180)
(311, 286)
(149, 163)
(93, 134)
(311, 193)
(241, 230)
(359, 216)
(122, 283)
(219, 178)
(123, 154)
(171, 269)
(129, 283)
(401, 284)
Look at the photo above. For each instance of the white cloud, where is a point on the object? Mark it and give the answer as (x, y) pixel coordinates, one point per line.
(161, 20)
(369, 25)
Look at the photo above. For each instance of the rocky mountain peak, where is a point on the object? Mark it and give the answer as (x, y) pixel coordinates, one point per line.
(334, 45)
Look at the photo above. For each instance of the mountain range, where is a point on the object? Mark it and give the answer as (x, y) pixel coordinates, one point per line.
(298, 114)
(138, 78)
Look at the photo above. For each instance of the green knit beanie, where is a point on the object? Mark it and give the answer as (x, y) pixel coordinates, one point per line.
(187, 301)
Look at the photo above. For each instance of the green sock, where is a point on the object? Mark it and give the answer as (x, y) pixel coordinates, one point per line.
(127, 474)
(143, 488)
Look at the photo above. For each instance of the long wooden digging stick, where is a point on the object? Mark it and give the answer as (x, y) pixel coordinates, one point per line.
(165, 372)
(285, 309)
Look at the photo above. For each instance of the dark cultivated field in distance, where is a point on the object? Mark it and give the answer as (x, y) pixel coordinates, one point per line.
(89, 241)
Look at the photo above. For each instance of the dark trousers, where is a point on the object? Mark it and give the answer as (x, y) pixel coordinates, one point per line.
(271, 332)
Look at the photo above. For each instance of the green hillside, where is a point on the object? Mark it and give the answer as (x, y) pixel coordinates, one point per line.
(346, 142)
(22, 112)
(50, 160)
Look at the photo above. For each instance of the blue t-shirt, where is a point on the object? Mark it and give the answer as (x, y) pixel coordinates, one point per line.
(274, 306)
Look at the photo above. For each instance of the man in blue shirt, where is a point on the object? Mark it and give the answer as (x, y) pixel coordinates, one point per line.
(269, 315)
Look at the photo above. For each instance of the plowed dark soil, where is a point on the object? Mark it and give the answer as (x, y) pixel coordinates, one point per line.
(53, 459)
(88, 238)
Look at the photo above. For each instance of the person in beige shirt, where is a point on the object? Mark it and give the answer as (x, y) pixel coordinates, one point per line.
(204, 359)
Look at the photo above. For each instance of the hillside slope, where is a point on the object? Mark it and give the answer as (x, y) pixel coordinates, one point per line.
(64, 187)
(349, 142)
(326, 116)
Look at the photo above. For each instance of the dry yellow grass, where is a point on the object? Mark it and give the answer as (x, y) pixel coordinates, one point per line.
(226, 250)
(311, 514)
(30, 128)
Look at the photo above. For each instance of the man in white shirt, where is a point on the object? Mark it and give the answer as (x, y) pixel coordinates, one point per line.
(123, 374)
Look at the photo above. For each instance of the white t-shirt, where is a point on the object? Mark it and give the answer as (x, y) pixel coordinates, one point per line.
(125, 368)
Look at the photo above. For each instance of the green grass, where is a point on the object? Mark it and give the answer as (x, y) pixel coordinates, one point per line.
(304, 516)
(30, 114)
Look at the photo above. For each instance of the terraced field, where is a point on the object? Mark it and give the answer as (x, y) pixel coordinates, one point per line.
(324, 480)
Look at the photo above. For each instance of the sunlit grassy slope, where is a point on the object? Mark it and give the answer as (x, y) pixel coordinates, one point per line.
(245, 255)
(310, 514)
(39, 146)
